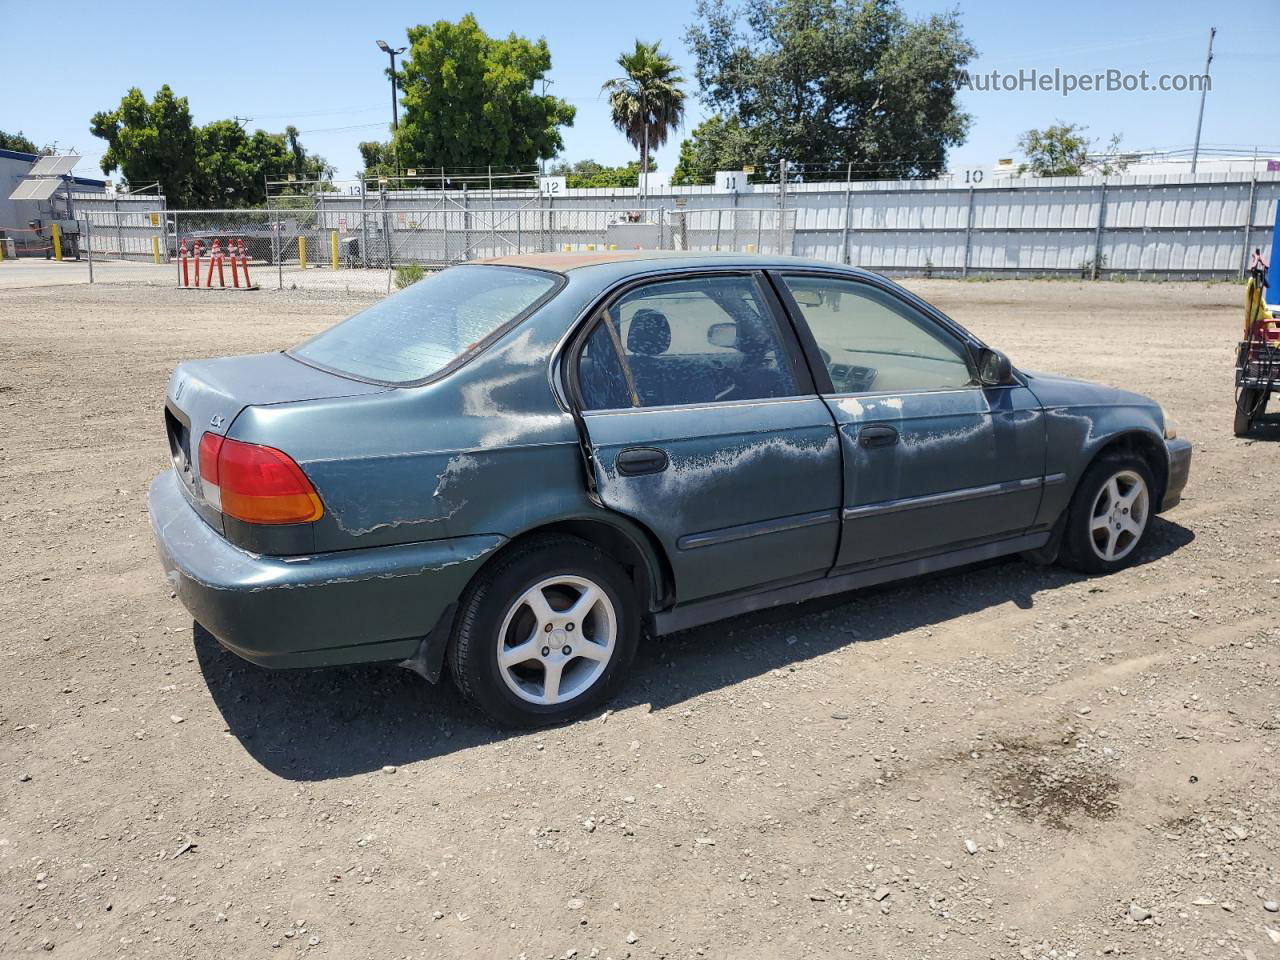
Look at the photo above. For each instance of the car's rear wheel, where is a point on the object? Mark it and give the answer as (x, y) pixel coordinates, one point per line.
(1109, 515)
(545, 634)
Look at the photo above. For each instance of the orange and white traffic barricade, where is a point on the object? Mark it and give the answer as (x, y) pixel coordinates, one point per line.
(214, 276)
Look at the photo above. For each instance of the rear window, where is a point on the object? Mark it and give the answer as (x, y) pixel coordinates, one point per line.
(416, 333)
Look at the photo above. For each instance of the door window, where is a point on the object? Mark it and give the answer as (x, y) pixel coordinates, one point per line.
(698, 340)
(872, 341)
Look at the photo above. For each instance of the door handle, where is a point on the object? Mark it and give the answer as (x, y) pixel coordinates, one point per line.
(877, 436)
(636, 461)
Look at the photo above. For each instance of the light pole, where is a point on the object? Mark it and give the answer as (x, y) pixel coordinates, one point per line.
(395, 108)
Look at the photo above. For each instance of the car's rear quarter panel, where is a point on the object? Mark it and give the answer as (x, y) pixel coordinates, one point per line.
(486, 449)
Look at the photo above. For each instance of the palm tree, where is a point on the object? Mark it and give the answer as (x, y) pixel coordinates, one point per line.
(647, 101)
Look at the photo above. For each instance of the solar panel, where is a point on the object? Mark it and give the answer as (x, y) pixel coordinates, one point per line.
(41, 188)
(54, 166)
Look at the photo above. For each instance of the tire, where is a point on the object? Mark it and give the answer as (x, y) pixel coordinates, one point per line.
(1245, 410)
(1110, 515)
(499, 610)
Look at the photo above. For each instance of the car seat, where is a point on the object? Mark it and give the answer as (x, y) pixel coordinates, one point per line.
(660, 378)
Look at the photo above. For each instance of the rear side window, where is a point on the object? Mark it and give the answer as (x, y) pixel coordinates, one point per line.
(418, 332)
(698, 340)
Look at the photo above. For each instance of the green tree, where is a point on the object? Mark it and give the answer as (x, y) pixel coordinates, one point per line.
(304, 165)
(378, 161)
(150, 142)
(646, 102)
(217, 165)
(1063, 150)
(18, 142)
(588, 173)
(826, 83)
(232, 165)
(469, 99)
(717, 144)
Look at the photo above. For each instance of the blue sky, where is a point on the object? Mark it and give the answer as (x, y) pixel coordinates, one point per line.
(316, 66)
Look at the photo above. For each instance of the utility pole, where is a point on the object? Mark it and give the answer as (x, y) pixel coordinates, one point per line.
(542, 162)
(1204, 88)
(782, 203)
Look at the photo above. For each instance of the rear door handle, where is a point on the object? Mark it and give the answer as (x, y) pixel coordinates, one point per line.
(636, 461)
(877, 436)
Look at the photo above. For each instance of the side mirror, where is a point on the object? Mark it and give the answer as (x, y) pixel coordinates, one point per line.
(723, 335)
(994, 368)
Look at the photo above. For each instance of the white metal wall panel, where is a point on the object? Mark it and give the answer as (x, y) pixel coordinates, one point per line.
(1165, 225)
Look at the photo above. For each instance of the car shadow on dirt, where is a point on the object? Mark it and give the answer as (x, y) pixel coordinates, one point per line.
(331, 723)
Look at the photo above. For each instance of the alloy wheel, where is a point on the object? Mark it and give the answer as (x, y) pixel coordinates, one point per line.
(1119, 515)
(557, 639)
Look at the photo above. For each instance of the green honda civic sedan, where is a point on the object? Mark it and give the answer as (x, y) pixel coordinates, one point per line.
(521, 467)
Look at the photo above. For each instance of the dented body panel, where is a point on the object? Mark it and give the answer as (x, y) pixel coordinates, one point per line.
(422, 484)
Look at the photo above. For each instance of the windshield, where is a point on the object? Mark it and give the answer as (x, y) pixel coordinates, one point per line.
(421, 330)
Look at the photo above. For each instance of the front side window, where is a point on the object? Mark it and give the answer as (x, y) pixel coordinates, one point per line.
(697, 340)
(872, 341)
(421, 330)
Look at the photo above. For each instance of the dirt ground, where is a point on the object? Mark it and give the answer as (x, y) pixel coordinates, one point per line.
(1005, 762)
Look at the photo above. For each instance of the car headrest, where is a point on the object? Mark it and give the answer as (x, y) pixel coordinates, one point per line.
(649, 334)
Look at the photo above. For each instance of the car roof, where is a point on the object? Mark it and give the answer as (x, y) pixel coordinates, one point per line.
(644, 261)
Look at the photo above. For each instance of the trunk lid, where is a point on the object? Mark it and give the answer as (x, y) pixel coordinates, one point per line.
(207, 395)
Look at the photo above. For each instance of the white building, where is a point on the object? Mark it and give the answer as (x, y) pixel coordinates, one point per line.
(18, 218)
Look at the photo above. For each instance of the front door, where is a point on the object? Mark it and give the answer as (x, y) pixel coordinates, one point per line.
(704, 426)
(933, 461)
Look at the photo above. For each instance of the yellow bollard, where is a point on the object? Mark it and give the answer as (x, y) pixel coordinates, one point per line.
(302, 253)
(3, 244)
(613, 246)
(751, 248)
(591, 247)
(567, 247)
(57, 242)
(333, 248)
(155, 248)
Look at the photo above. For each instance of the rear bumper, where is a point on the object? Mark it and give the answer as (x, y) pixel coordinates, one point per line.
(1179, 470)
(353, 606)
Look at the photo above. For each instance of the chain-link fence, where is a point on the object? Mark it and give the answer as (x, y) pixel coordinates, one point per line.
(114, 234)
(1169, 227)
(339, 246)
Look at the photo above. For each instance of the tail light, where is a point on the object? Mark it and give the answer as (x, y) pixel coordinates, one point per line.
(254, 483)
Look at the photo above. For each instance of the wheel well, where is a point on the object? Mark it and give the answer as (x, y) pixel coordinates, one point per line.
(1152, 452)
(654, 587)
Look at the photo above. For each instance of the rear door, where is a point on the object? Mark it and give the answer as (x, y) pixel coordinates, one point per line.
(704, 426)
(932, 460)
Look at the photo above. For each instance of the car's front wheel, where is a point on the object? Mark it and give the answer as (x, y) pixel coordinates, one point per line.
(1109, 515)
(546, 633)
